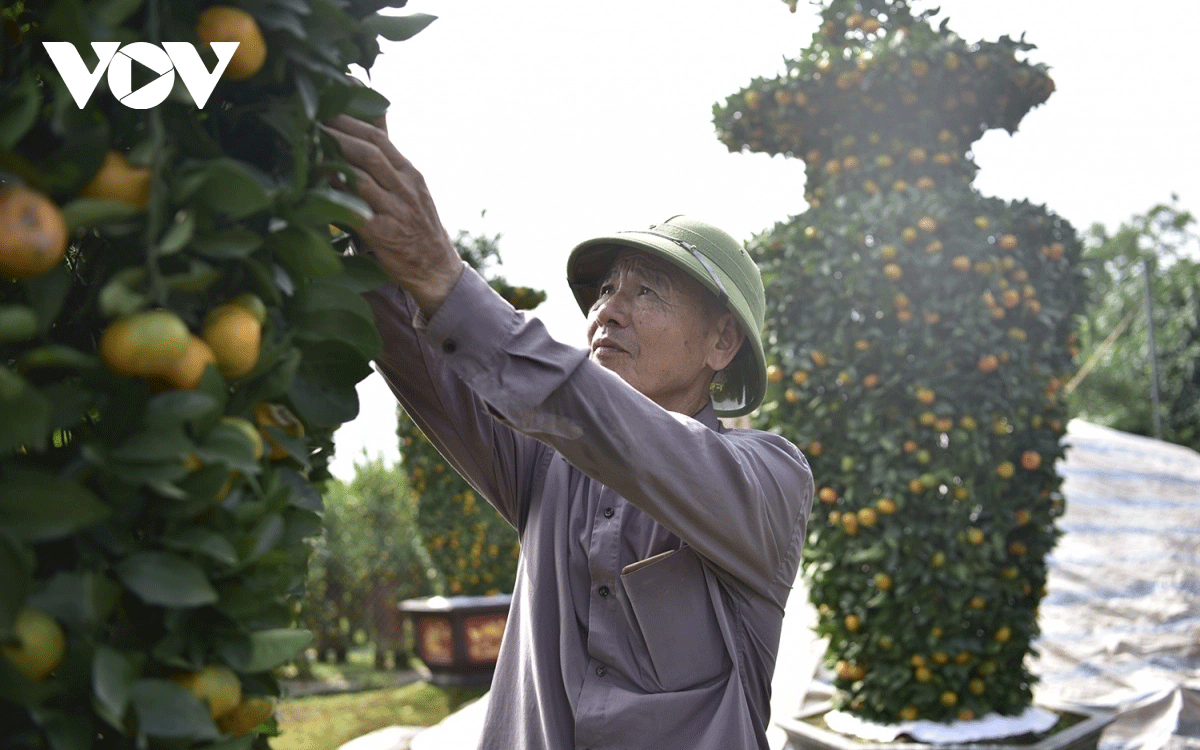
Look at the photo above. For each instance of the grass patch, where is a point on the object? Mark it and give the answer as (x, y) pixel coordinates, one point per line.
(356, 673)
(323, 722)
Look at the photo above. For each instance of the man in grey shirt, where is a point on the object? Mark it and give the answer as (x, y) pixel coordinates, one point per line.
(658, 547)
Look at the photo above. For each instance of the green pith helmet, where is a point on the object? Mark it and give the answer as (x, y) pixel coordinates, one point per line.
(720, 264)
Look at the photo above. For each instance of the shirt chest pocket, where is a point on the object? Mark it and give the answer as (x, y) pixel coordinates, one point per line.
(670, 600)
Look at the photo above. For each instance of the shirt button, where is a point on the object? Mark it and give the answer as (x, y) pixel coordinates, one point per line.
(601, 670)
(603, 591)
(608, 512)
(449, 346)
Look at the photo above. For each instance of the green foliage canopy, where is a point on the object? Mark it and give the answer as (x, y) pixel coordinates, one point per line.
(1115, 390)
(370, 548)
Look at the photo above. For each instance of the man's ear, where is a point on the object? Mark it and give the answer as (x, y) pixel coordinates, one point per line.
(729, 340)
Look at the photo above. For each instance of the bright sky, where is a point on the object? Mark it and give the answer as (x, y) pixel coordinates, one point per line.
(567, 120)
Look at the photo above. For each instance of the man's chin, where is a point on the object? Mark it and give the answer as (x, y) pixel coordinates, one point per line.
(608, 361)
(607, 356)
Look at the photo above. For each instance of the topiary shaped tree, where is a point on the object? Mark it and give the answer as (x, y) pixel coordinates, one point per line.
(920, 333)
(473, 549)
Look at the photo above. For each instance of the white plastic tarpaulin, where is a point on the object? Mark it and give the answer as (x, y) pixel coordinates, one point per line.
(1121, 618)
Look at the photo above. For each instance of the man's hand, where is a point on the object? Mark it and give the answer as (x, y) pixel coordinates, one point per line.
(405, 235)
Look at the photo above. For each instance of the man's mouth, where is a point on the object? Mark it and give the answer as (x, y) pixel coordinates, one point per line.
(605, 345)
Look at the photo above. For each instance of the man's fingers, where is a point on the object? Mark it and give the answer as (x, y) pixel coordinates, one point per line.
(392, 176)
(382, 202)
(365, 157)
(345, 125)
(405, 233)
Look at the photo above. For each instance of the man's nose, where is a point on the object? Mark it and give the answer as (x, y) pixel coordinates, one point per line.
(613, 308)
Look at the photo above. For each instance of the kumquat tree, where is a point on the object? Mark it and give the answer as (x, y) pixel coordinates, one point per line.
(920, 334)
(179, 337)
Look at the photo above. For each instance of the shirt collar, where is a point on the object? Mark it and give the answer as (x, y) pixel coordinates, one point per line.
(707, 416)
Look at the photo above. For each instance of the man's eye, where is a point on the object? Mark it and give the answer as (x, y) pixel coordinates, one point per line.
(646, 290)
(606, 289)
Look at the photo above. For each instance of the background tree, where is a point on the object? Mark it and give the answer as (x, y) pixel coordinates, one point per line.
(473, 549)
(1115, 384)
(369, 558)
(179, 338)
(920, 335)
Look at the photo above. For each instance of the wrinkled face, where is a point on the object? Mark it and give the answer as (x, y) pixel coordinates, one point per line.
(661, 331)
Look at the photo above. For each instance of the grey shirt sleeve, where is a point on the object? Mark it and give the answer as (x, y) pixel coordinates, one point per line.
(495, 459)
(740, 498)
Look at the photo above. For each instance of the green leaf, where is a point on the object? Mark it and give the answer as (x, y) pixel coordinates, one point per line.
(282, 20)
(325, 205)
(203, 485)
(122, 295)
(178, 234)
(311, 62)
(39, 507)
(18, 110)
(308, 95)
(296, 447)
(18, 689)
(302, 524)
(234, 188)
(334, 312)
(305, 253)
(47, 294)
(333, 363)
(323, 405)
(362, 273)
(397, 28)
(155, 446)
(229, 446)
(363, 8)
(266, 649)
(267, 534)
(166, 579)
(275, 382)
(17, 323)
(165, 709)
(230, 243)
(204, 541)
(82, 600)
(54, 356)
(341, 325)
(332, 294)
(89, 212)
(197, 278)
(65, 731)
(16, 570)
(154, 475)
(112, 680)
(67, 169)
(367, 104)
(26, 414)
(178, 407)
(304, 494)
(113, 12)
